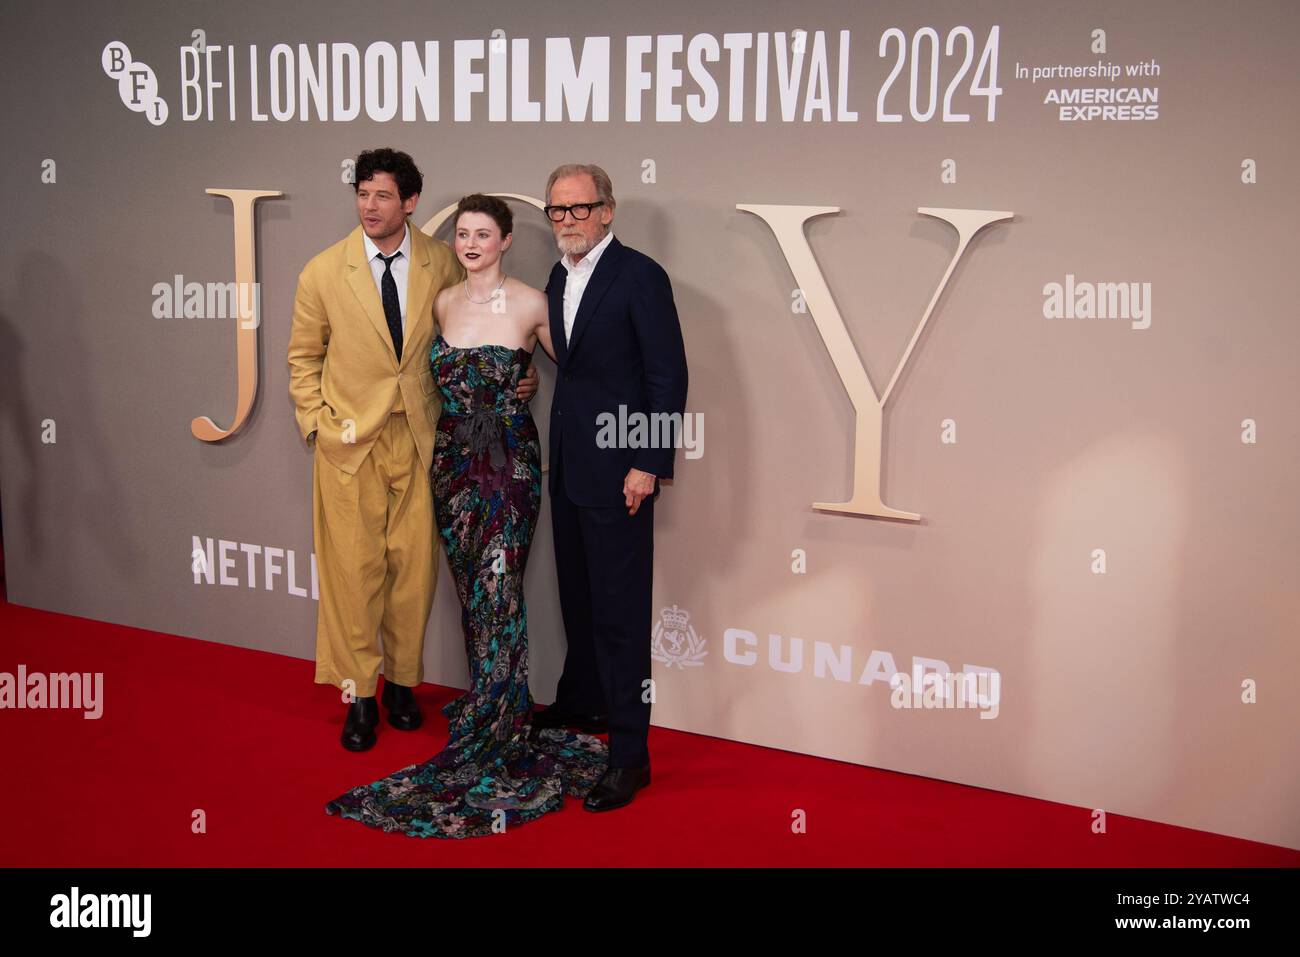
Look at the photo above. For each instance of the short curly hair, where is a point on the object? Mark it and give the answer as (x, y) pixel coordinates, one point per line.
(410, 181)
(492, 206)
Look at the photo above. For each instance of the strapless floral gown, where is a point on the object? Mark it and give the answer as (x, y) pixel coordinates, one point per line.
(487, 492)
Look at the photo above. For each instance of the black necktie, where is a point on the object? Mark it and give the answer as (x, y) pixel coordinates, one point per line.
(392, 305)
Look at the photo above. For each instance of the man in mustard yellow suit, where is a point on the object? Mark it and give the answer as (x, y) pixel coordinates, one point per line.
(366, 401)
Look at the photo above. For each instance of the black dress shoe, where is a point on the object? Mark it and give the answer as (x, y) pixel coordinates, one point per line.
(584, 723)
(403, 713)
(616, 788)
(359, 728)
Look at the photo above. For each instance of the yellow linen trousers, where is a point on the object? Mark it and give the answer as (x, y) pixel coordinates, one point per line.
(377, 564)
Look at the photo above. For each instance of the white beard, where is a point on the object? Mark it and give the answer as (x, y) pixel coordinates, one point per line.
(576, 246)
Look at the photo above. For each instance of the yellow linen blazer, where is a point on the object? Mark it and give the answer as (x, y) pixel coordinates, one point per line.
(344, 377)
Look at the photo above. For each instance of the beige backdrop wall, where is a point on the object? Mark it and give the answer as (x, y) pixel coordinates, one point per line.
(1108, 512)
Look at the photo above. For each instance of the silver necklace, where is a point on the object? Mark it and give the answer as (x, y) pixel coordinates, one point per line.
(483, 302)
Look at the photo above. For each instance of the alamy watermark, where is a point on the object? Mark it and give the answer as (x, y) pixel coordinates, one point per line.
(654, 430)
(179, 299)
(934, 689)
(78, 690)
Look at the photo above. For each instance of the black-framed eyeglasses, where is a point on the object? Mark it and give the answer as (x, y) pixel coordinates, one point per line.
(579, 210)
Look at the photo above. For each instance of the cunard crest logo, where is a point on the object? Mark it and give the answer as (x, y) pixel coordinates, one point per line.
(674, 641)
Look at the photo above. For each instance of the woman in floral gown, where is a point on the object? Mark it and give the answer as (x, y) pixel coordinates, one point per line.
(487, 491)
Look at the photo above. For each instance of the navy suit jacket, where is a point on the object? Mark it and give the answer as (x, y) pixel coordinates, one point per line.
(625, 350)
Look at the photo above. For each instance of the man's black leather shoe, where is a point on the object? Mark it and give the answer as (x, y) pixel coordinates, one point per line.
(616, 788)
(403, 713)
(359, 728)
(584, 723)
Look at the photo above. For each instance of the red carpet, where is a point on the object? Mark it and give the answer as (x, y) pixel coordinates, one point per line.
(248, 738)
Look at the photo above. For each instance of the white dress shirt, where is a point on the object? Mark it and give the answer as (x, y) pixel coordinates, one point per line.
(400, 269)
(576, 282)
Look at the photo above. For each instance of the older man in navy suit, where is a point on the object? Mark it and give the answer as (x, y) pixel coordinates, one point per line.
(619, 348)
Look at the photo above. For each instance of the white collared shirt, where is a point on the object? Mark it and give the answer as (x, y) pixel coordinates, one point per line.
(400, 269)
(576, 282)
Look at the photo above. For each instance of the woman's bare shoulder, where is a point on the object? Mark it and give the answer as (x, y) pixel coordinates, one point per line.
(445, 303)
(529, 298)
